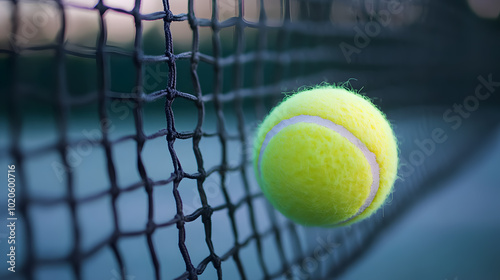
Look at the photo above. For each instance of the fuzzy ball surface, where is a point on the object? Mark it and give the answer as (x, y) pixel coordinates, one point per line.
(326, 157)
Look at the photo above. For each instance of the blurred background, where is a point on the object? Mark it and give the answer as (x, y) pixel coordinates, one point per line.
(131, 125)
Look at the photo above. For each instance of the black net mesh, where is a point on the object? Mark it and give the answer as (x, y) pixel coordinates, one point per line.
(206, 100)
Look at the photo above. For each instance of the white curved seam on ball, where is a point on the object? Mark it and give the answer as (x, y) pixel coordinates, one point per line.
(370, 157)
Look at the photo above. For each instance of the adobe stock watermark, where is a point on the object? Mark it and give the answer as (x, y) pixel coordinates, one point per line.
(91, 139)
(212, 190)
(324, 249)
(32, 23)
(242, 156)
(454, 116)
(371, 29)
(228, 8)
(115, 275)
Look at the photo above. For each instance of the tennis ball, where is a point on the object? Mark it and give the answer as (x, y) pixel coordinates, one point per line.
(326, 157)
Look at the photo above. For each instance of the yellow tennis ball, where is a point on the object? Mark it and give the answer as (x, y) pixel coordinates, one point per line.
(326, 157)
